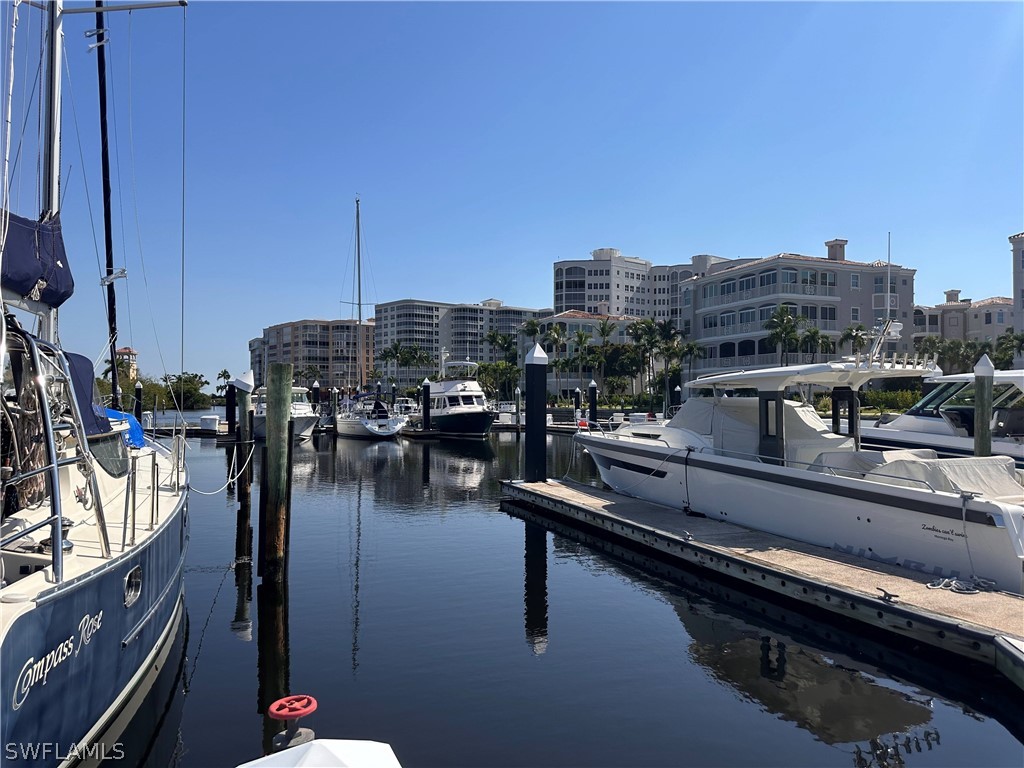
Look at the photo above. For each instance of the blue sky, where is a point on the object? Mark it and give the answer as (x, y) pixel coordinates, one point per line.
(488, 140)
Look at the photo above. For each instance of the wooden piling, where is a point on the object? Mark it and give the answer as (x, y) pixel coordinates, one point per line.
(592, 395)
(245, 452)
(137, 408)
(279, 395)
(230, 403)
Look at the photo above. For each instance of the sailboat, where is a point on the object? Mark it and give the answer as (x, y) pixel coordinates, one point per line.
(365, 416)
(93, 516)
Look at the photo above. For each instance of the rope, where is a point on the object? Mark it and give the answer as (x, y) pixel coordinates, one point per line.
(971, 586)
(231, 479)
(199, 647)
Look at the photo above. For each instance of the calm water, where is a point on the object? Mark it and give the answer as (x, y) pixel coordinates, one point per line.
(420, 614)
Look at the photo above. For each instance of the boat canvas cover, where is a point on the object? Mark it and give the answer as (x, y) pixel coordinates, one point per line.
(35, 264)
(94, 418)
(992, 476)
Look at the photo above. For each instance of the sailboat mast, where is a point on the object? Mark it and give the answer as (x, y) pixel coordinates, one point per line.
(51, 143)
(359, 304)
(101, 71)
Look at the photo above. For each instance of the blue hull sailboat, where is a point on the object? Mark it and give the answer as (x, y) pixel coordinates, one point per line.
(93, 516)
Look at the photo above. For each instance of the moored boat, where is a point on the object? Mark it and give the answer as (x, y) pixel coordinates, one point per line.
(458, 407)
(943, 419)
(304, 418)
(772, 464)
(360, 419)
(93, 515)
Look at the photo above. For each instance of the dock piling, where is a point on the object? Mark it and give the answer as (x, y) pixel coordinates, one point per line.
(984, 375)
(592, 396)
(425, 404)
(536, 423)
(279, 393)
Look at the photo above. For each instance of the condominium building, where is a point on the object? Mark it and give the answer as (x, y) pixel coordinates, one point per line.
(1017, 254)
(723, 303)
(459, 329)
(331, 348)
(963, 319)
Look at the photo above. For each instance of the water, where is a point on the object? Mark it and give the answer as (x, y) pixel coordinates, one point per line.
(420, 614)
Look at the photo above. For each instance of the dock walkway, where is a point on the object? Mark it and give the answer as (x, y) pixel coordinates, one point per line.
(987, 627)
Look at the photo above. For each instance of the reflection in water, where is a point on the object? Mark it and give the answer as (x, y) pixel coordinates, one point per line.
(535, 591)
(151, 735)
(838, 705)
(273, 662)
(399, 547)
(836, 698)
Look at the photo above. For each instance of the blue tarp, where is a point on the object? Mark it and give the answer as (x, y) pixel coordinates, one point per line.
(134, 437)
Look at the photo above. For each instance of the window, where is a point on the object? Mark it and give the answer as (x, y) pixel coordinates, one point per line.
(765, 312)
(748, 315)
(710, 321)
(709, 291)
(855, 281)
(767, 278)
(809, 312)
(728, 287)
(828, 313)
(789, 276)
(748, 283)
(808, 277)
(727, 319)
(1000, 317)
(988, 318)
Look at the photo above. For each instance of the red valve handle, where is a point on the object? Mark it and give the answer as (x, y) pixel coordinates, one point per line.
(292, 707)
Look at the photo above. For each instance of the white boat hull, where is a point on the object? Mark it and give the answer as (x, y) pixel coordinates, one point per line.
(918, 529)
(365, 428)
(303, 426)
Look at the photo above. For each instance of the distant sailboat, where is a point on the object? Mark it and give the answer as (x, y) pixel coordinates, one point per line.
(365, 416)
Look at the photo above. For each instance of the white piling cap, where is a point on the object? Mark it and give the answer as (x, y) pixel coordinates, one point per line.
(246, 382)
(592, 383)
(537, 356)
(984, 367)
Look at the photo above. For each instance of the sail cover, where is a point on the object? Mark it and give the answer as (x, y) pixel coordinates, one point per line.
(35, 265)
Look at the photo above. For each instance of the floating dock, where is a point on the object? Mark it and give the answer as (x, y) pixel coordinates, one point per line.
(987, 627)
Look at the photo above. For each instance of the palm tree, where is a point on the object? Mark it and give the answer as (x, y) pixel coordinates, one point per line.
(810, 341)
(668, 350)
(605, 330)
(555, 336)
(582, 342)
(644, 334)
(784, 332)
(225, 377)
(688, 352)
(857, 335)
(929, 346)
(1008, 346)
(531, 330)
(392, 354)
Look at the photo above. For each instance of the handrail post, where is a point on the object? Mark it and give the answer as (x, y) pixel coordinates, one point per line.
(153, 479)
(132, 487)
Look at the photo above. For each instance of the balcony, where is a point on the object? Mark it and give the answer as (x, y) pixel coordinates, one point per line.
(788, 289)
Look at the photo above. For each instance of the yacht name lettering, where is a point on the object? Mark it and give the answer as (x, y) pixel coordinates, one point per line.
(87, 628)
(946, 531)
(35, 672)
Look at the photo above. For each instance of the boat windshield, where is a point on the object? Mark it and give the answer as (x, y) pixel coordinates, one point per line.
(960, 394)
(299, 397)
